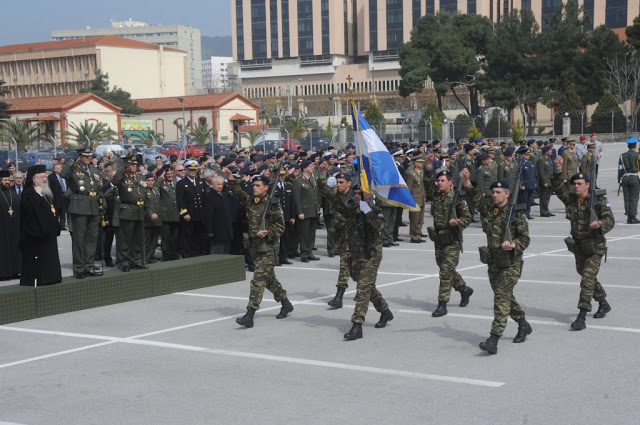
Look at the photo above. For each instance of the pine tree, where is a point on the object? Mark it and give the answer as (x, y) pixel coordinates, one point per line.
(601, 118)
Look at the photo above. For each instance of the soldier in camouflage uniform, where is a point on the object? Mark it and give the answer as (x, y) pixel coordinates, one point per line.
(585, 164)
(364, 223)
(587, 241)
(342, 243)
(507, 170)
(504, 259)
(485, 177)
(544, 169)
(261, 243)
(446, 235)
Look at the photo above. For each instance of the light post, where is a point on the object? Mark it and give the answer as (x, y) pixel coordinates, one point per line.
(237, 138)
(212, 150)
(55, 148)
(184, 130)
(445, 122)
(289, 97)
(411, 130)
(612, 115)
(16, 143)
(499, 121)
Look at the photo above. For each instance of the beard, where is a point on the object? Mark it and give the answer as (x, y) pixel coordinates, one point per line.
(46, 190)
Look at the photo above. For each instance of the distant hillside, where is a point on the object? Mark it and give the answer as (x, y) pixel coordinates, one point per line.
(216, 46)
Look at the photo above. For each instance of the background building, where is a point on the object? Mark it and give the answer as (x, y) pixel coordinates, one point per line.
(301, 50)
(65, 67)
(175, 36)
(215, 74)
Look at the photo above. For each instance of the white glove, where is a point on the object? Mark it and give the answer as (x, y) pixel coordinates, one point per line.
(364, 207)
(331, 182)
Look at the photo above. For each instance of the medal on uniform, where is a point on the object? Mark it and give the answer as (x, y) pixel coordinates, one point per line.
(129, 189)
(256, 200)
(495, 211)
(81, 188)
(580, 201)
(81, 182)
(91, 182)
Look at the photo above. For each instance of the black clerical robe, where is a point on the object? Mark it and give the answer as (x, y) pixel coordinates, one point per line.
(10, 259)
(39, 230)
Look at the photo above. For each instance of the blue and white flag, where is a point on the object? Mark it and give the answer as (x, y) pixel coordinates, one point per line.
(378, 171)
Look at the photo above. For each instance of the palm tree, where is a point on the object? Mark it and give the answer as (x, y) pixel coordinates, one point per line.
(251, 135)
(298, 126)
(153, 138)
(21, 132)
(201, 134)
(90, 134)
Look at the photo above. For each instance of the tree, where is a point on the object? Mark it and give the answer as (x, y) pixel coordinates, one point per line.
(601, 118)
(374, 116)
(4, 106)
(431, 111)
(474, 132)
(298, 126)
(251, 136)
(436, 127)
(201, 134)
(492, 129)
(513, 63)
(570, 102)
(20, 131)
(517, 132)
(633, 33)
(449, 49)
(115, 96)
(90, 134)
(328, 132)
(622, 79)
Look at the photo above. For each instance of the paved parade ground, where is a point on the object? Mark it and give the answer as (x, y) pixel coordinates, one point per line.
(181, 358)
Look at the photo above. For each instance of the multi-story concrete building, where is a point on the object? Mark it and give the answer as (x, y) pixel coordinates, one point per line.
(175, 36)
(215, 74)
(303, 48)
(65, 67)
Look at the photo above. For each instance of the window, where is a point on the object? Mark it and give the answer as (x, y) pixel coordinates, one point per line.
(616, 14)
(449, 5)
(373, 25)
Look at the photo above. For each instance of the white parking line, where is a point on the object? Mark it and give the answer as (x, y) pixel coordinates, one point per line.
(552, 282)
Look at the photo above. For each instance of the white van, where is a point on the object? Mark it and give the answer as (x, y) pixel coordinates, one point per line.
(101, 150)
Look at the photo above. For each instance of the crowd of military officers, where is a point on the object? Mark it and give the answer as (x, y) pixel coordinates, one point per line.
(268, 207)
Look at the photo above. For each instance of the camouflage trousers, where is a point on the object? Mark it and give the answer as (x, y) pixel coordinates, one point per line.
(345, 273)
(447, 258)
(264, 276)
(389, 213)
(365, 273)
(590, 288)
(503, 280)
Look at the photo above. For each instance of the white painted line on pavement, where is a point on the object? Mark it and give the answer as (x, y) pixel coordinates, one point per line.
(552, 282)
(59, 353)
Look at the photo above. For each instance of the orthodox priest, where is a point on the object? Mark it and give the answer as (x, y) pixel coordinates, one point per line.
(39, 231)
(9, 229)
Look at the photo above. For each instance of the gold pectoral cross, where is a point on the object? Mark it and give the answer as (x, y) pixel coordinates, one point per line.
(10, 212)
(53, 210)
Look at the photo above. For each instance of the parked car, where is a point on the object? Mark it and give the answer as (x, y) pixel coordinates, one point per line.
(7, 157)
(197, 150)
(149, 156)
(315, 144)
(217, 149)
(170, 150)
(292, 144)
(40, 158)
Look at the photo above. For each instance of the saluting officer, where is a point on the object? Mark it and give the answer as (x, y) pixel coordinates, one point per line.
(84, 212)
(130, 215)
(190, 200)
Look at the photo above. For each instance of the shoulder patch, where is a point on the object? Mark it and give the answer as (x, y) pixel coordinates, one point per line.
(608, 205)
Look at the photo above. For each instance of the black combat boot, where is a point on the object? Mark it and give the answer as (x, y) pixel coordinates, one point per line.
(465, 294)
(633, 220)
(441, 310)
(287, 308)
(491, 344)
(247, 319)
(354, 333)
(602, 310)
(524, 329)
(385, 317)
(336, 302)
(579, 323)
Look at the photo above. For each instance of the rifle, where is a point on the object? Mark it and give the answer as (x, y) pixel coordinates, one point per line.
(454, 213)
(594, 192)
(513, 205)
(272, 190)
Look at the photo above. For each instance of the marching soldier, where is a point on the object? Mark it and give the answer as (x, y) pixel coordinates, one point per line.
(446, 235)
(504, 260)
(152, 219)
(84, 212)
(261, 244)
(544, 168)
(130, 215)
(587, 242)
(628, 178)
(190, 201)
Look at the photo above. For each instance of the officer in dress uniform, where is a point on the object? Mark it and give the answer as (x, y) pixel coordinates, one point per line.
(190, 200)
(284, 192)
(152, 219)
(544, 168)
(170, 231)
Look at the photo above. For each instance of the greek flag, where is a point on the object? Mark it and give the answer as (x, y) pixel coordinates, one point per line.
(378, 171)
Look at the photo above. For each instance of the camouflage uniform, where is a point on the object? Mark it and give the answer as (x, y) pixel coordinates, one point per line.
(363, 234)
(590, 244)
(261, 249)
(507, 171)
(447, 241)
(342, 247)
(505, 267)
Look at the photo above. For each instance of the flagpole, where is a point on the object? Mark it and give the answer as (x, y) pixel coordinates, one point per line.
(364, 183)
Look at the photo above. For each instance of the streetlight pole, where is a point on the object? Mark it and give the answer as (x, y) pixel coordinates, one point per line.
(612, 115)
(411, 130)
(184, 130)
(499, 120)
(55, 148)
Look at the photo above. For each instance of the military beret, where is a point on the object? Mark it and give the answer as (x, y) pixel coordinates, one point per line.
(509, 151)
(334, 170)
(632, 140)
(451, 144)
(313, 157)
(160, 171)
(270, 155)
(257, 158)
(262, 168)
(246, 170)
(173, 158)
(108, 163)
(448, 174)
(546, 148)
(579, 176)
(350, 146)
(260, 178)
(343, 175)
(152, 167)
(540, 142)
(305, 164)
(503, 184)
(302, 154)
(583, 137)
(225, 162)
(594, 134)
(148, 176)
(530, 142)
(452, 151)
(478, 139)
(468, 147)
(294, 167)
(216, 156)
(483, 157)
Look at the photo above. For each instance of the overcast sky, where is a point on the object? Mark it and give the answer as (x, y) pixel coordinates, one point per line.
(28, 21)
